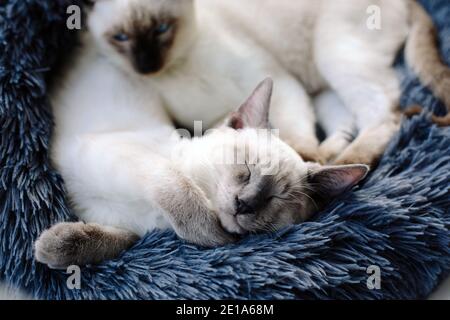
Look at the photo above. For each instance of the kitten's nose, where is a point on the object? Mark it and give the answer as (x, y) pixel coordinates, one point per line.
(242, 208)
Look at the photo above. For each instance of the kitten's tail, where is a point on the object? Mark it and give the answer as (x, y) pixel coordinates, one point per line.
(422, 54)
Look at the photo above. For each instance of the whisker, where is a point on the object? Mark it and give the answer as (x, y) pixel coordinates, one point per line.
(308, 196)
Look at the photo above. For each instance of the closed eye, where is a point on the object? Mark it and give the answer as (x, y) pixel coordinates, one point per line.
(249, 173)
(277, 197)
(244, 178)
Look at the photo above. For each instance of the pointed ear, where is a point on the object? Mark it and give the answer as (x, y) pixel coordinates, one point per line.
(254, 113)
(330, 182)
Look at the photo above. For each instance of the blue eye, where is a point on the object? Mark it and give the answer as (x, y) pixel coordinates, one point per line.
(163, 28)
(121, 37)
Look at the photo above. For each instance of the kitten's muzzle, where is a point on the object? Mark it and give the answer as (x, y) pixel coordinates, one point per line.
(147, 65)
(243, 208)
(148, 57)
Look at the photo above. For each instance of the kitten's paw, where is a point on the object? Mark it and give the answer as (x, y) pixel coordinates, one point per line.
(210, 237)
(369, 146)
(356, 158)
(329, 151)
(307, 149)
(359, 154)
(311, 155)
(332, 147)
(60, 246)
(207, 232)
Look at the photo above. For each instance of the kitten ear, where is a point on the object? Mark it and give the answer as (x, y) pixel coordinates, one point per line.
(254, 113)
(330, 182)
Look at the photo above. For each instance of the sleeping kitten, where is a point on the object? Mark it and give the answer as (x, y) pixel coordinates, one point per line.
(212, 51)
(127, 174)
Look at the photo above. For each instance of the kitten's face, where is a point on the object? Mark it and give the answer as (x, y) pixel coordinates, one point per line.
(256, 182)
(143, 36)
(260, 184)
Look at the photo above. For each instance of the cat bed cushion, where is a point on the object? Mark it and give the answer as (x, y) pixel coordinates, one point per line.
(398, 220)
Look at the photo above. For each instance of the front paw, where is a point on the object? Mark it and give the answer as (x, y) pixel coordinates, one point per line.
(310, 153)
(209, 237)
(206, 231)
(349, 158)
(331, 148)
(359, 155)
(308, 149)
(59, 246)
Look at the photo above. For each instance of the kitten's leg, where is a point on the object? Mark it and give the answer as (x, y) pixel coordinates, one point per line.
(372, 96)
(356, 61)
(371, 142)
(336, 121)
(67, 244)
(292, 113)
(376, 124)
(369, 88)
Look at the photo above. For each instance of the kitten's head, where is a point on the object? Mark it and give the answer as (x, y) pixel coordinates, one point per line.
(143, 36)
(255, 181)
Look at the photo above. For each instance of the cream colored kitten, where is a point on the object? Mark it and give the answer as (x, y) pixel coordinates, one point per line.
(127, 173)
(211, 52)
(114, 143)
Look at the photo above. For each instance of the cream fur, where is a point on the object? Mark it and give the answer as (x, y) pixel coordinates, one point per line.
(125, 166)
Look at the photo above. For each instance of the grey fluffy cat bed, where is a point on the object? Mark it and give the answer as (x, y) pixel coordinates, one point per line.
(398, 219)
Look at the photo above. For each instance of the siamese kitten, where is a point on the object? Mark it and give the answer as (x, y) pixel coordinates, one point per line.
(127, 173)
(204, 55)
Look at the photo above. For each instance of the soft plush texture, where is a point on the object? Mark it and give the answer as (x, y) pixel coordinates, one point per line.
(398, 219)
